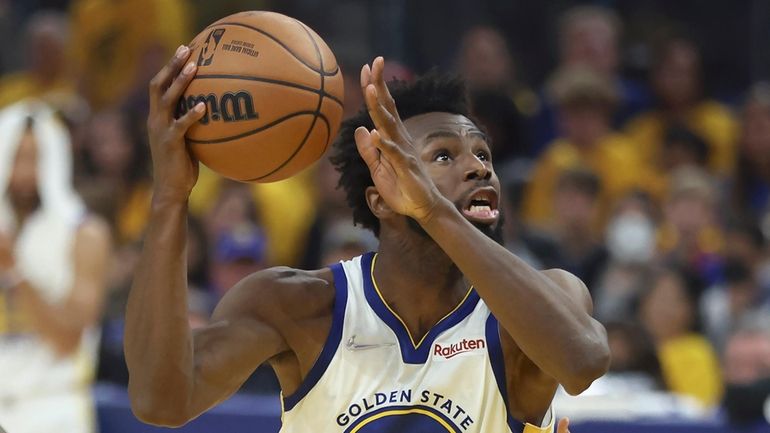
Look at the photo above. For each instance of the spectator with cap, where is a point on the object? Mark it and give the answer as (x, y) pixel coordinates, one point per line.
(585, 105)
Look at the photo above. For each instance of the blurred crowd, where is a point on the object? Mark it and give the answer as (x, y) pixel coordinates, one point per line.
(653, 191)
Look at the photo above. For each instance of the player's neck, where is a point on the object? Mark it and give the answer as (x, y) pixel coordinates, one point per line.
(418, 280)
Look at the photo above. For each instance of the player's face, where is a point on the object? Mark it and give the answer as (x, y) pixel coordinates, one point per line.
(22, 185)
(458, 159)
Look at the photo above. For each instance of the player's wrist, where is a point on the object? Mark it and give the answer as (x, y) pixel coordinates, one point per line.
(440, 208)
(165, 199)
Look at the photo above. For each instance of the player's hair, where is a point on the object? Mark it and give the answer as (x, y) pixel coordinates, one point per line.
(433, 92)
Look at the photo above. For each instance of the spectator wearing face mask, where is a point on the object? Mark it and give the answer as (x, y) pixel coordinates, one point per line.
(630, 241)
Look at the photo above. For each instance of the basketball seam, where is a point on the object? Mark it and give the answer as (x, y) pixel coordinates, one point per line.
(317, 109)
(253, 131)
(328, 132)
(270, 81)
(285, 47)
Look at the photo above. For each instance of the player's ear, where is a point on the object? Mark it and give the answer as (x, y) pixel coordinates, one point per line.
(377, 204)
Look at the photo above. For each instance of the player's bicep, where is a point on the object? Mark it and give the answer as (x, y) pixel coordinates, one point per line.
(242, 335)
(226, 353)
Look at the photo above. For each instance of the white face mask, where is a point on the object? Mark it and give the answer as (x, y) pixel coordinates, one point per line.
(631, 238)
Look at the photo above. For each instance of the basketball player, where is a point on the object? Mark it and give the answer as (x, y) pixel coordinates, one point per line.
(442, 330)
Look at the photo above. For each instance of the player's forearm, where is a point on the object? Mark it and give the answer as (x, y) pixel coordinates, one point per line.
(527, 303)
(158, 342)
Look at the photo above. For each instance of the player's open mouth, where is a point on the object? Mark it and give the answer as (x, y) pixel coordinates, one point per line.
(482, 206)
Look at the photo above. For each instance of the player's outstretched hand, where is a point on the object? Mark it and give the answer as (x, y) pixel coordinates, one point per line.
(563, 426)
(174, 170)
(389, 151)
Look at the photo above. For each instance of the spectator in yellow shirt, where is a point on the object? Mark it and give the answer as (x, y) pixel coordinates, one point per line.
(585, 105)
(689, 364)
(676, 80)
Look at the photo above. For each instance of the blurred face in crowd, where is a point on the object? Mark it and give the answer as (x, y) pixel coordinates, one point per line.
(47, 42)
(747, 358)
(676, 78)
(110, 146)
(235, 206)
(593, 42)
(575, 210)
(584, 125)
(485, 60)
(22, 185)
(666, 310)
(689, 213)
(756, 131)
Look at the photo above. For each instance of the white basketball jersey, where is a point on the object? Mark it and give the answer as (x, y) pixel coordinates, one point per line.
(371, 377)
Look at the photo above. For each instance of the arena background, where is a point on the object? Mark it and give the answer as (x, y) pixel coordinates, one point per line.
(633, 139)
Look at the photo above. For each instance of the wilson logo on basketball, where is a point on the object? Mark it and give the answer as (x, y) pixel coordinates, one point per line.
(231, 107)
(454, 349)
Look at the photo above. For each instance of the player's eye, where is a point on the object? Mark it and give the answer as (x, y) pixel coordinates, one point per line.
(442, 156)
(483, 155)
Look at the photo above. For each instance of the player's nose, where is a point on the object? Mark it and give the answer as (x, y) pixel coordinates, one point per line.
(475, 169)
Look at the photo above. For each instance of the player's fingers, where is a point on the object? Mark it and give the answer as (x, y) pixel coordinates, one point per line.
(366, 77)
(383, 120)
(180, 83)
(392, 152)
(163, 78)
(369, 153)
(383, 94)
(184, 123)
(563, 426)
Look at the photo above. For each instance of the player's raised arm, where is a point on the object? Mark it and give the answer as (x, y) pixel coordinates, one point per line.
(175, 374)
(532, 306)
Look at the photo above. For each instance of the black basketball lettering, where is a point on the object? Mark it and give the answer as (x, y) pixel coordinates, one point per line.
(237, 106)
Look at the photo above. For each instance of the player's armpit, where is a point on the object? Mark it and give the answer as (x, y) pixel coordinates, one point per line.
(243, 334)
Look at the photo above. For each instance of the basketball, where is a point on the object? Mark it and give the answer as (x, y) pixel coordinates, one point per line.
(273, 93)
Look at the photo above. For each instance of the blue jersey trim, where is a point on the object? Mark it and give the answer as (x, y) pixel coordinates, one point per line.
(411, 352)
(332, 340)
(495, 349)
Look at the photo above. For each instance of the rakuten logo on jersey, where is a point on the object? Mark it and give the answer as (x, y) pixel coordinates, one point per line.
(454, 349)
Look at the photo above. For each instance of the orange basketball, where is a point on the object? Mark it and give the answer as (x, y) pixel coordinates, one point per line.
(273, 94)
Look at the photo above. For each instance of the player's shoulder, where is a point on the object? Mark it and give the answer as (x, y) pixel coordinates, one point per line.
(286, 292)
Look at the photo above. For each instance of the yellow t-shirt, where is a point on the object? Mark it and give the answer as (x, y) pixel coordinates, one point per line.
(21, 85)
(112, 40)
(711, 120)
(614, 160)
(690, 367)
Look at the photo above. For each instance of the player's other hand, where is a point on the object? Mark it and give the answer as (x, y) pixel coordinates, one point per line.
(175, 171)
(563, 426)
(390, 154)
